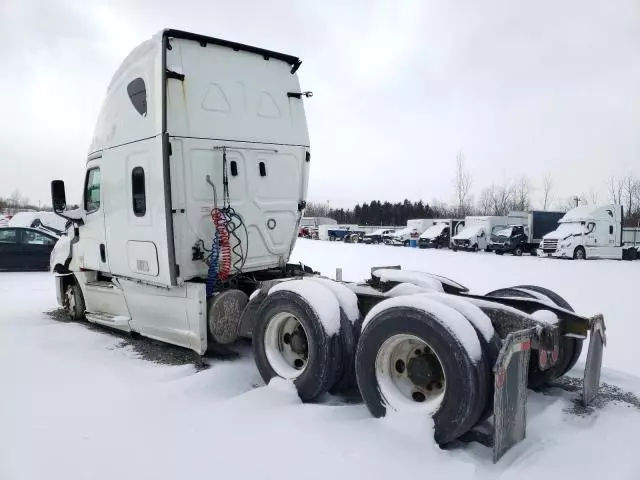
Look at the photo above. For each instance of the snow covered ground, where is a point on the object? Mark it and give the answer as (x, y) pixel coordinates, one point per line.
(81, 403)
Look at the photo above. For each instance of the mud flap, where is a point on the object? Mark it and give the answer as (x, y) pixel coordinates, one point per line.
(597, 341)
(510, 398)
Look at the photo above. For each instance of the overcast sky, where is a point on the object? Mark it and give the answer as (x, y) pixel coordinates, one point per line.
(399, 87)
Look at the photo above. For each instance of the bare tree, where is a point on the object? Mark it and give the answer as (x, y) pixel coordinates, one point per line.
(462, 185)
(629, 193)
(547, 188)
(616, 189)
(520, 194)
(501, 198)
(593, 196)
(636, 199)
(485, 204)
(314, 209)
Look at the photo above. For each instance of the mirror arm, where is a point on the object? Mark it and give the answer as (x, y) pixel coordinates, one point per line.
(77, 221)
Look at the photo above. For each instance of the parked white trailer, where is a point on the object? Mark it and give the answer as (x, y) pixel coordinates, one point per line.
(477, 232)
(195, 185)
(589, 232)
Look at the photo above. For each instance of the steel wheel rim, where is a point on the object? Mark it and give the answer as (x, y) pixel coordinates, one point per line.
(398, 390)
(70, 304)
(280, 346)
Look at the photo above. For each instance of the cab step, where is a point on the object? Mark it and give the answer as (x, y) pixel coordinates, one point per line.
(113, 321)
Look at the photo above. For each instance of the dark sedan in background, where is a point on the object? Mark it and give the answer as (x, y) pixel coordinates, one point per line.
(25, 249)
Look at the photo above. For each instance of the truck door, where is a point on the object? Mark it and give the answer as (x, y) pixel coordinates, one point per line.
(590, 236)
(92, 251)
(518, 236)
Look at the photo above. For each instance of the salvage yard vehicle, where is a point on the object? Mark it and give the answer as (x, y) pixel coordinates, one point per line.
(195, 185)
(477, 232)
(25, 249)
(589, 232)
(525, 237)
(377, 236)
(439, 234)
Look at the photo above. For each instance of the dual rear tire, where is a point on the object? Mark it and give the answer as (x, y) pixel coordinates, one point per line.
(290, 341)
(408, 360)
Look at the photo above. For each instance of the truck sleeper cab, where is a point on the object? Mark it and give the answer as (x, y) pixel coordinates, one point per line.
(194, 130)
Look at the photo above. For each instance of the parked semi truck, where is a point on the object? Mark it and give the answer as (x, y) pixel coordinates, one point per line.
(439, 234)
(191, 207)
(589, 232)
(525, 237)
(477, 232)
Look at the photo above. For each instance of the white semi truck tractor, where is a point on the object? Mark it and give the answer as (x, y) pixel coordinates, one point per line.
(195, 183)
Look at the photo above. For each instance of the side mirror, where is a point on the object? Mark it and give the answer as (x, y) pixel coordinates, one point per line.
(58, 196)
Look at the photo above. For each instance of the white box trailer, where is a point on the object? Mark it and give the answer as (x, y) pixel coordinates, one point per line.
(589, 232)
(194, 188)
(477, 232)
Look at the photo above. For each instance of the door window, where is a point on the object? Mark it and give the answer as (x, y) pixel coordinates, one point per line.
(590, 227)
(138, 192)
(8, 235)
(37, 238)
(92, 191)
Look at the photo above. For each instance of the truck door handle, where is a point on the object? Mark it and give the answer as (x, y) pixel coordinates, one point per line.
(103, 253)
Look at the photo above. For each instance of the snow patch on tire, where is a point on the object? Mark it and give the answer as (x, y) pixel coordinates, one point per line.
(322, 300)
(346, 298)
(477, 317)
(453, 320)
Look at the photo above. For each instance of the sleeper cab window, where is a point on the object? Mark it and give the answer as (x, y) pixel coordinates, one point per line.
(138, 95)
(138, 194)
(92, 190)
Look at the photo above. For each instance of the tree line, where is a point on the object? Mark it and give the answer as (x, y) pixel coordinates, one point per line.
(497, 199)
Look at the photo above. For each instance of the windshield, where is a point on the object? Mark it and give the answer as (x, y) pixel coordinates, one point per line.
(566, 229)
(433, 231)
(497, 228)
(505, 232)
(473, 230)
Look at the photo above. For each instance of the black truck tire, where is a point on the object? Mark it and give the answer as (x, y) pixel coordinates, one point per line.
(74, 304)
(538, 378)
(324, 351)
(518, 251)
(462, 400)
(579, 254)
(576, 348)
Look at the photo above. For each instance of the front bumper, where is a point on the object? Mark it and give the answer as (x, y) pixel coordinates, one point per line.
(426, 243)
(559, 253)
(462, 245)
(500, 247)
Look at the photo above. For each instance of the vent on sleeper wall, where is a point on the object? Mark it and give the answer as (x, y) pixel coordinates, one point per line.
(267, 108)
(215, 100)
